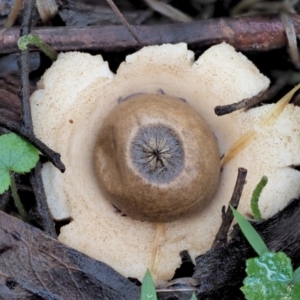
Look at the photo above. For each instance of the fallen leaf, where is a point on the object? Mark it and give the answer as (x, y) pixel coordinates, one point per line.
(35, 266)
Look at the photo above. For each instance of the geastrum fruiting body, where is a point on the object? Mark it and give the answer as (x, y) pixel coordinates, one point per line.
(147, 158)
(119, 147)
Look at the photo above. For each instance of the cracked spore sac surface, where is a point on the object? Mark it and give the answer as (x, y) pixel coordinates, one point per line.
(157, 153)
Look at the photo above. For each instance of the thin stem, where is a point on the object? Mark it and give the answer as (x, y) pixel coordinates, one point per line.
(27, 127)
(255, 198)
(28, 6)
(249, 102)
(38, 42)
(243, 33)
(123, 20)
(291, 36)
(227, 217)
(15, 195)
(11, 19)
(159, 232)
(42, 207)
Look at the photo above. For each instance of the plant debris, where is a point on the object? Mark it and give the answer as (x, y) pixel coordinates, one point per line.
(244, 33)
(35, 266)
(221, 271)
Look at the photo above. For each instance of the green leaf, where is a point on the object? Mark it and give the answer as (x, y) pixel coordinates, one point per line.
(296, 276)
(16, 155)
(250, 233)
(269, 277)
(4, 179)
(255, 197)
(194, 296)
(148, 288)
(295, 291)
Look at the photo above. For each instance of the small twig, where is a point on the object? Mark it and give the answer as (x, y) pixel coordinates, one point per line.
(26, 130)
(227, 218)
(26, 133)
(11, 19)
(42, 207)
(249, 102)
(28, 6)
(291, 36)
(244, 33)
(123, 20)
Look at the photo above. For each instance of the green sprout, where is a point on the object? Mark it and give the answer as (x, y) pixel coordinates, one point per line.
(148, 287)
(250, 233)
(16, 156)
(269, 276)
(38, 42)
(255, 197)
(148, 291)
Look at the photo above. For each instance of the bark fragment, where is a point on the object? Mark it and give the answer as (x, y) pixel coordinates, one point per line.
(35, 265)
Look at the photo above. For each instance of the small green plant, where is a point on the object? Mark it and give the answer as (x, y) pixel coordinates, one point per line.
(16, 156)
(38, 42)
(148, 287)
(148, 291)
(269, 276)
(255, 198)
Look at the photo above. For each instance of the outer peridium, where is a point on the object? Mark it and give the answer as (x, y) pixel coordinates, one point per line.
(76, 94)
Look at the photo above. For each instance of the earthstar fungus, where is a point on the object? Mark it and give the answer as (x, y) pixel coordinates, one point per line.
(79, 102)
(156, 158)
